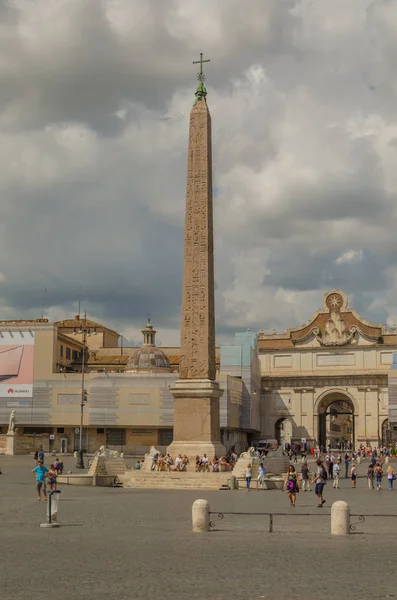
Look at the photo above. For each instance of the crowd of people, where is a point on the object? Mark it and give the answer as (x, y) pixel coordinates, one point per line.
(330, 469)
(165, 462)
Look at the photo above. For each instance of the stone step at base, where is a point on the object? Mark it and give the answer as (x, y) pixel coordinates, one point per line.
(210, 481)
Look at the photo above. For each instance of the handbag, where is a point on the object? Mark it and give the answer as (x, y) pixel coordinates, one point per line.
(394, 477)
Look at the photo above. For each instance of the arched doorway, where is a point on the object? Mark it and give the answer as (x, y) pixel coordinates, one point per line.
(283, 432)
(336, 426)
(386, 433)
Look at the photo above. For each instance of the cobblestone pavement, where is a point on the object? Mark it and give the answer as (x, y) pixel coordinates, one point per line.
(137, 544)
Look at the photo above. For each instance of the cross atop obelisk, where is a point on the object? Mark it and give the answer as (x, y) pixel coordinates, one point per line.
(201, 91)
(200, 62)
(196, 393)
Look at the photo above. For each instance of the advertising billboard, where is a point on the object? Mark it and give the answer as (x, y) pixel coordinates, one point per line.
(16, 366)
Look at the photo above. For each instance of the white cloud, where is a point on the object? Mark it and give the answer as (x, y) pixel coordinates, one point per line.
(350, 256)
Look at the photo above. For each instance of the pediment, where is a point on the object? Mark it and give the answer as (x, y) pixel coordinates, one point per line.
(335, 324)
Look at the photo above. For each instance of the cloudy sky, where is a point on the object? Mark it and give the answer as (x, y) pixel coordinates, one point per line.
(94, 103)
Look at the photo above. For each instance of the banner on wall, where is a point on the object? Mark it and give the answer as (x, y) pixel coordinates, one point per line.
(16, 366)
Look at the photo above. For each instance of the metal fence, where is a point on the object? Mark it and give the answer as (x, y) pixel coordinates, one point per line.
(361, 517)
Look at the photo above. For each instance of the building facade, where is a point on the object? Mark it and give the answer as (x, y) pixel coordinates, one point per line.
(324, 382)
(327, 380)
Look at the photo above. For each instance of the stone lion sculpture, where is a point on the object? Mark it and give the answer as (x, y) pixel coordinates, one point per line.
(249, 454)
(103, 451)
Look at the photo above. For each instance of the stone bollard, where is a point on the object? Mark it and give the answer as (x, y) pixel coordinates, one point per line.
(201, 516)
(387, 460)
(340, 518)
(232, 482)
(358, 459)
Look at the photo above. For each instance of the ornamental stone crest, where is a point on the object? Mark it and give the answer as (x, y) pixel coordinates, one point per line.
(335, 332)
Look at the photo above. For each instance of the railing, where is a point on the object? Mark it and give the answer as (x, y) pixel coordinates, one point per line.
(271, 515)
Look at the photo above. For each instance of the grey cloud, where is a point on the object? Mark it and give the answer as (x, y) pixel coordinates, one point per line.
(94, 104)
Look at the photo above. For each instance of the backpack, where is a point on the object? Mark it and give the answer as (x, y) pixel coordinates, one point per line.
(324, 474)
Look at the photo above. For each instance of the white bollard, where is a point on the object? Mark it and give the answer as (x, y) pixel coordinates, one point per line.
(358, 459)
(340, 518)
(387, 460)
(201, 516)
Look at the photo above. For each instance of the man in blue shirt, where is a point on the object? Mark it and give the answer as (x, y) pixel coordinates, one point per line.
(40, 472)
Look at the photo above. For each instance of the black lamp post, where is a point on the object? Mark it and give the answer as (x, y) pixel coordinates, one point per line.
(86, 332)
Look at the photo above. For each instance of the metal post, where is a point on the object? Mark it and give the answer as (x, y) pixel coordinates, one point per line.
(270, 523)
(49, 507)
(80, 456)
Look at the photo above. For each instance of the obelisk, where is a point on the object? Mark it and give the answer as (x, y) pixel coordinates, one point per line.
(196, 393)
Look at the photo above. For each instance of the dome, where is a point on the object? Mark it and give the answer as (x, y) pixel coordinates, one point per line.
(148, 357)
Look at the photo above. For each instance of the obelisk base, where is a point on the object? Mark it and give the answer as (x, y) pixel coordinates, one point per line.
(196, 419)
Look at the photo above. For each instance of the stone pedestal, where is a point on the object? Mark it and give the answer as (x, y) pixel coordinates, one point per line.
(11, 447)
(196, 419)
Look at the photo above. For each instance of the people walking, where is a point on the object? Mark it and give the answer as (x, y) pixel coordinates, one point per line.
(378, 472)
(261, 476)
(370, 476)
(320, 481)
(291, 484)
(330, 469)
(248, 476)
(52, 477)
(335, 473)
(347, 460)
(40, 472)
(353, 475)
(390, 477)
(305, 474)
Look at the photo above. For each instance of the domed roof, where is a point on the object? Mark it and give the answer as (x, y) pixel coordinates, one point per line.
(148, 357)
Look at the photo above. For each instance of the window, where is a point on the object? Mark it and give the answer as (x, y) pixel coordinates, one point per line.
(35, 430)
(67, 353)
(61, 350)
(100, 430)
(74, 354)
(115, 437)
(60, 430)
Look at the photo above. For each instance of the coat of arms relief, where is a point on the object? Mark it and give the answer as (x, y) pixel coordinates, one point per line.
(335, 331)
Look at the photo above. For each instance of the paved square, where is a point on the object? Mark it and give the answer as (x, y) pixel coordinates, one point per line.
(138, 545)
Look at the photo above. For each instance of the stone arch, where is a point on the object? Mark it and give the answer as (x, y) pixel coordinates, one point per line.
(335, 412)
(385, 432)
(283, 430)
(321, 401)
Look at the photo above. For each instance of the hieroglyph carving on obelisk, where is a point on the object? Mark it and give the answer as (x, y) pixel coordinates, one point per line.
(198, 307)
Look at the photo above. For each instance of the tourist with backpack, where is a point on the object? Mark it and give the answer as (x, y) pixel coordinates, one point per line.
(320, 480)
(378, 472)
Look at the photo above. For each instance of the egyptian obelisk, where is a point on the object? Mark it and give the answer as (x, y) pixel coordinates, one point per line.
(196, 393)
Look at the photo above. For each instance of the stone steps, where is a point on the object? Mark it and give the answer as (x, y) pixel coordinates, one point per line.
(174, 480)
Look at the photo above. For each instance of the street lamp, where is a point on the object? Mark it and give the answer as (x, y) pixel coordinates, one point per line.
(85, 332)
